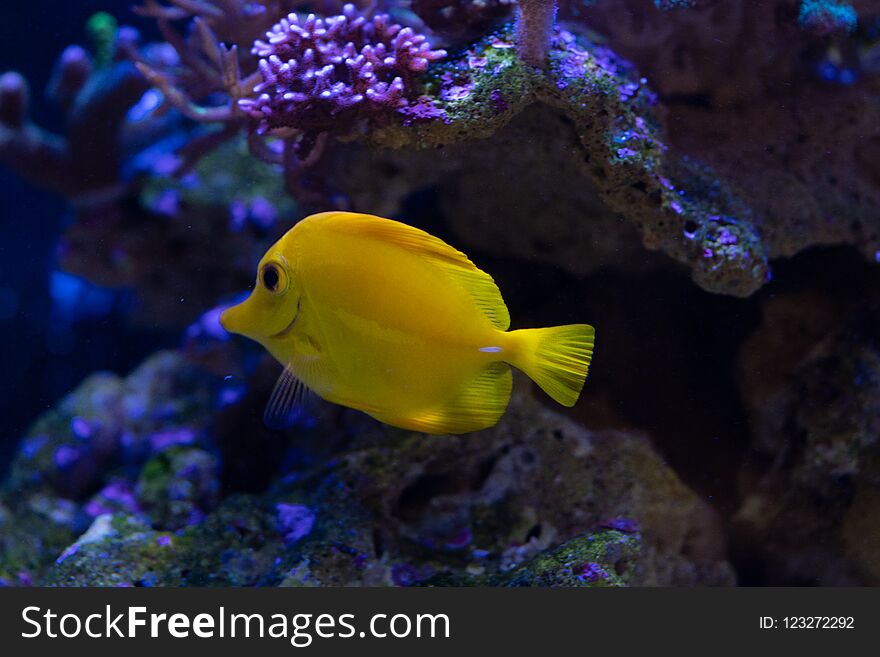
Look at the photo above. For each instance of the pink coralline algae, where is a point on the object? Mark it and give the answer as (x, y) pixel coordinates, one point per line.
(336, 74)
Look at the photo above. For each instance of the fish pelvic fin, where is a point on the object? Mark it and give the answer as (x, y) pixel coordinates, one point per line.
(457, 267)
(479, 405)
(288, 402)
(556, 358)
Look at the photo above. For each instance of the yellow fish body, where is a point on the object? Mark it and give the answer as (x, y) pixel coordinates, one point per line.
(379, 316)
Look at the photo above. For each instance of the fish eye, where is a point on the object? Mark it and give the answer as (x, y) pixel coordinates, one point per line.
(272, 277)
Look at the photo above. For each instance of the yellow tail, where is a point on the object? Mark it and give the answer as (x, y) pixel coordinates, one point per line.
(557, 359)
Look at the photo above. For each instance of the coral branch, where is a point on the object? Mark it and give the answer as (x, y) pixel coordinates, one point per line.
(14, 100)
(534, 24)
(71, 74)
(181, 102)
(36, 155)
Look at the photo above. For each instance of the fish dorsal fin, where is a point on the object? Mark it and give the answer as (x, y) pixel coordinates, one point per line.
(453, 262)
(288, 401)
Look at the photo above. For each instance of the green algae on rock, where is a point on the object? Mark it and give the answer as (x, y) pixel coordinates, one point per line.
(394, 508)
(178, 486)
(599, 559)
(76, 460)
(233, 547)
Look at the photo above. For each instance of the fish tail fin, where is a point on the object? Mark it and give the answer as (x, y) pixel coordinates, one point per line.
(557, 359)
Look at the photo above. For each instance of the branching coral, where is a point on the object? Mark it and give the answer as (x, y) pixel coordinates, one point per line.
(333, 75)
(96, 102)
(129, 193)
(311, 78)
(201, 65)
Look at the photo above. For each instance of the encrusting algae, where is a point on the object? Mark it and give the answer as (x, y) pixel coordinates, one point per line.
(376, 315)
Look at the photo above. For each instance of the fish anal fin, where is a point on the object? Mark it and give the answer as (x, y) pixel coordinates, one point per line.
(479, 405)
(455, 264)
(287, 402)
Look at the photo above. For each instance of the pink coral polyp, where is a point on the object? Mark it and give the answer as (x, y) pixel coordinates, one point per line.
(335, 74)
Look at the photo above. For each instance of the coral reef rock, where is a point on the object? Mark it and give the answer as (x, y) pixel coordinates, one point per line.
(607, 135)
(535, 500)
(758, 90)
(813, 394)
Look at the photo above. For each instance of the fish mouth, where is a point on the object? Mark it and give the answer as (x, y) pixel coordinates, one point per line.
(287, 329)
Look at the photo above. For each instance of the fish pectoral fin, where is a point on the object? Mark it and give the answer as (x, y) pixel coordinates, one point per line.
(479, 405)
(452, 262)
(288, 401)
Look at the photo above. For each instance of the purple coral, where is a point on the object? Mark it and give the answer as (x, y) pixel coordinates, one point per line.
(295, 521)
(332, 75)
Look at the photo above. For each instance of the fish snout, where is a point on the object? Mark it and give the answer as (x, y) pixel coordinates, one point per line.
(233, 319)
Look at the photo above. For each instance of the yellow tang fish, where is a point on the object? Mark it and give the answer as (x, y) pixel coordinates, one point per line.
(379, 316)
